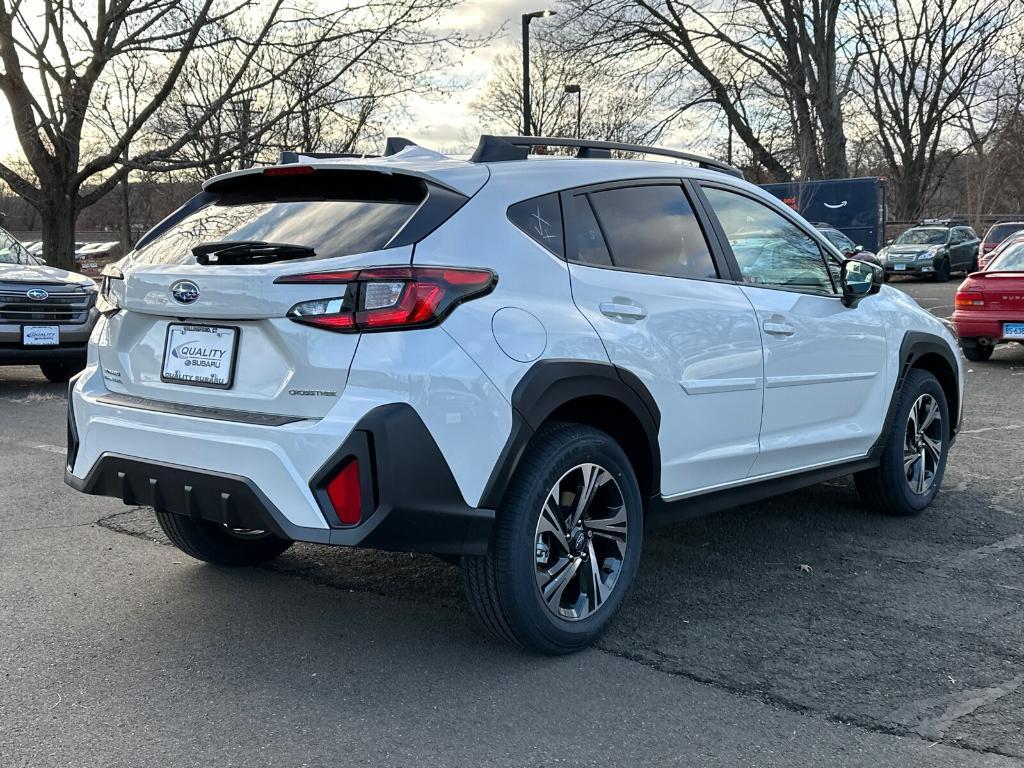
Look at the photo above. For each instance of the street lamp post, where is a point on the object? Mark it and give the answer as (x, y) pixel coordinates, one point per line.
(579, 107)
(527, 18)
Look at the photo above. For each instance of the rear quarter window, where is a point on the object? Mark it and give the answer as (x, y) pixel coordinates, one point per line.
(541, 219)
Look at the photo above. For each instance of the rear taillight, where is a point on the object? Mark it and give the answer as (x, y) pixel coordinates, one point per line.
(388, 298)
(968, 300)
(346, 494)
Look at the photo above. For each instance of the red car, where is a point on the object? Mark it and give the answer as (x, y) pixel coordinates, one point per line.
(990, 305)
(997, 234)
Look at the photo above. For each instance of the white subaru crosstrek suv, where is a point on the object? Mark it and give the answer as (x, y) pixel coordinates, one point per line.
(518, 363)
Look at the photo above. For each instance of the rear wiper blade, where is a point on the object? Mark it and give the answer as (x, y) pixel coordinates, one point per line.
(249, 252)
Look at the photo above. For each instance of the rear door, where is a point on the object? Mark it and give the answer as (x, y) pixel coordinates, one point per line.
(215, 333)
(824, 363)
(642, 272)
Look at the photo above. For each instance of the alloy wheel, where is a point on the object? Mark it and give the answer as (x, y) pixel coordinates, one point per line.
(580, 542)
(922, 445)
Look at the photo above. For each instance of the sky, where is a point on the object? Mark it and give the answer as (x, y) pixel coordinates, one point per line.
(438, 124)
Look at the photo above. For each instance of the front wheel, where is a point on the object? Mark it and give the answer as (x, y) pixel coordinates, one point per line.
(914, 459)
(219, 544)
(942, 271)
(566, 544)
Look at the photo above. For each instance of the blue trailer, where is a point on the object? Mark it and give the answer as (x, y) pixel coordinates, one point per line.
(856, 207)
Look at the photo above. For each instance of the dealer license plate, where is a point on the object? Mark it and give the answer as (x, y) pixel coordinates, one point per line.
(200, 355)
(40, 335)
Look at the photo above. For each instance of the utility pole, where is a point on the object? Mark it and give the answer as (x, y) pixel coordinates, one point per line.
(527, 18)
(575, 88)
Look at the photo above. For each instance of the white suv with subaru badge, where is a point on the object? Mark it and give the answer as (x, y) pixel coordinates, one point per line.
(520, 363)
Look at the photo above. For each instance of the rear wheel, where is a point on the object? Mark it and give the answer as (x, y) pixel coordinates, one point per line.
(218, 544)
(914, 460)
(978, 353)
(60, 372)
(566, 544)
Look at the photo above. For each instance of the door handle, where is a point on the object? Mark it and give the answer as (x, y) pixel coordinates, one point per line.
(618, 311)
(778, 329)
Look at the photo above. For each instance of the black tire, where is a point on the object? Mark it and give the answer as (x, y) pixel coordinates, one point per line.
(942, 271)
(502, 585)
(60, 372)
(978, 353)
(213, 543)
(886, 488)
(886, 277)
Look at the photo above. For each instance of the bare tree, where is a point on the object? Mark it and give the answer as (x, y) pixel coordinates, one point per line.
(614, 104)
(791, 48)
(926, 75)
(87, 90)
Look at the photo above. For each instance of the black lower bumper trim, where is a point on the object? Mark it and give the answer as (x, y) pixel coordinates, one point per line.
(414, 504)
(218, 498)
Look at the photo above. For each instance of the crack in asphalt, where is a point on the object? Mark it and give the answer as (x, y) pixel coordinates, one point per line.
(954, 707)
(907, 722)
(971, 556)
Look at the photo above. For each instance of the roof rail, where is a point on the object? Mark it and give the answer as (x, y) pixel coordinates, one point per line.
(498, 148)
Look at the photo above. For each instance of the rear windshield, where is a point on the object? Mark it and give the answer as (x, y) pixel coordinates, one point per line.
(1000, 232)
(335, 213)
(1010, 260)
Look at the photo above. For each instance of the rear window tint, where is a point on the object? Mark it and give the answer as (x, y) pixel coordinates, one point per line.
(653, 229)
(541, 218)
(336, 214)
(1000, 232)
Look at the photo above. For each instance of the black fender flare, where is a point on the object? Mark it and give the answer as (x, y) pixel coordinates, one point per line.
(915, 345)
(550, 384)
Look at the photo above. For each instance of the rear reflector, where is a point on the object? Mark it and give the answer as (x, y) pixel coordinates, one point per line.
(967, 300)
(345, 494)
(388, 298)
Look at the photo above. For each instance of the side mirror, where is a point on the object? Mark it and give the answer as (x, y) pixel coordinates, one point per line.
(858, 248)
(889, 241)
(858, 280)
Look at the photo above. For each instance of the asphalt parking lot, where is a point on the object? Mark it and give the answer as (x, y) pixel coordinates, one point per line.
(801, 631)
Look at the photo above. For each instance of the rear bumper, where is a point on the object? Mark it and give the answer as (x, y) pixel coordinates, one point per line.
(272, 476)
(976, 325)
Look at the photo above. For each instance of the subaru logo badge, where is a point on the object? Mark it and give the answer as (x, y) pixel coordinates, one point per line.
(37, 294)
(185, 292)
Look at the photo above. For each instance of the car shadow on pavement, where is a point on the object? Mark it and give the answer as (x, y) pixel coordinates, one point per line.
(807, 601)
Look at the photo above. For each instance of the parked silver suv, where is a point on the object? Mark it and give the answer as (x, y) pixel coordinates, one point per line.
(46, 314)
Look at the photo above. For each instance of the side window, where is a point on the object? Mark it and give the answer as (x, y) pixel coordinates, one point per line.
(957, 236)
(653, 229)
(541, 218)
(769, 248)
(590, 245)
